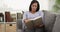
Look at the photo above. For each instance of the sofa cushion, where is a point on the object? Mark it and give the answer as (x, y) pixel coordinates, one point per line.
(49, 20)
(56, 27)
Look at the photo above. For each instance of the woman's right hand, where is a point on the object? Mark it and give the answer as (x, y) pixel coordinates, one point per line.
(26, 20)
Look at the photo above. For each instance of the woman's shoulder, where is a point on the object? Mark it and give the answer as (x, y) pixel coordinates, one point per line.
(27, 12)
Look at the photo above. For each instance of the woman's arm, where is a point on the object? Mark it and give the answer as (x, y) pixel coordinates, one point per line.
(25, 19)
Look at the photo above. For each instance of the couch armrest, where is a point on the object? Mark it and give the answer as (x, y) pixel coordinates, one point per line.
(19, 23)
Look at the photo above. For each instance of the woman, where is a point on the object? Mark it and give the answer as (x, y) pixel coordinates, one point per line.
(31, 14)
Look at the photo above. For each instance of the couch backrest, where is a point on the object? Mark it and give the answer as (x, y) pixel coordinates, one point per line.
(56, 27)
(49, 20)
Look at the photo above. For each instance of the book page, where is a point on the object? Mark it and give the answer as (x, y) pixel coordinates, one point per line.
(36, 18)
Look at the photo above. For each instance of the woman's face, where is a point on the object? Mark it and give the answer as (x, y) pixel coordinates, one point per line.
(34, 7)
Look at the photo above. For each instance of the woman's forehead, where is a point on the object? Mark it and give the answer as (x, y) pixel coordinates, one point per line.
(34, 4)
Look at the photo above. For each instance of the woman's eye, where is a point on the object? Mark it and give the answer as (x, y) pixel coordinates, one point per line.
(34, 6)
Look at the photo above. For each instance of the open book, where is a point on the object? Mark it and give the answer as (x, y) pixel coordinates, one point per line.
(33, 22)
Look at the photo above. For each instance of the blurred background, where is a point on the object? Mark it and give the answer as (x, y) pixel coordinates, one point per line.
(21, 5)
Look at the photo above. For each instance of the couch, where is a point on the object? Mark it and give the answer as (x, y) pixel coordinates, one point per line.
(51, 21)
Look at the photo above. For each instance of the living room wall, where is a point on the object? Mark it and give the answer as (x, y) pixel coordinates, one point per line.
(54, 6)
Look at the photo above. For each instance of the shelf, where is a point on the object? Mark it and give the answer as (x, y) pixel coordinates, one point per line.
(10, 22)
(8, 26)
(1, 22)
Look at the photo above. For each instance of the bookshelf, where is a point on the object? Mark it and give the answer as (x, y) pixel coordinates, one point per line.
(10, 25)
(9, 21)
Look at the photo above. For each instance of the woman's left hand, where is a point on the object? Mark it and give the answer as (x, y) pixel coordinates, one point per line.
(39, 26)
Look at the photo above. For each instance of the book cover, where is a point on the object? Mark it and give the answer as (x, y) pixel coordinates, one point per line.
(34, 22)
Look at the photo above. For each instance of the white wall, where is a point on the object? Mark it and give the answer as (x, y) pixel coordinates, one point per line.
(9, 5)
(51, 3)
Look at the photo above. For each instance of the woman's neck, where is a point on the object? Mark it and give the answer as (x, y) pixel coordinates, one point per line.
(33, 12)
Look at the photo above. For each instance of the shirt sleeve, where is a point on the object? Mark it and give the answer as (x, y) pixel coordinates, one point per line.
(25, 16)
(41, 14)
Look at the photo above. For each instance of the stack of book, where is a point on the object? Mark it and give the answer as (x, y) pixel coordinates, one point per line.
(8, 17)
